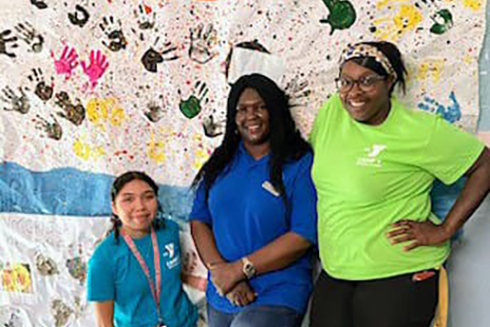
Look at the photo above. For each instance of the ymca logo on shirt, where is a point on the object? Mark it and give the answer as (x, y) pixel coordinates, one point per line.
(172, 261)
(371, 156)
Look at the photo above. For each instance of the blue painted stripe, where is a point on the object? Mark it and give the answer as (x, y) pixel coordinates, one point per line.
(69, 191)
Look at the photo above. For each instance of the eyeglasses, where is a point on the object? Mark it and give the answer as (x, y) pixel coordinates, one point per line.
(366, 83)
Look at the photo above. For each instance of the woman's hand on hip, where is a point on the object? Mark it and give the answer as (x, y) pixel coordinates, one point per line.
(420, 233)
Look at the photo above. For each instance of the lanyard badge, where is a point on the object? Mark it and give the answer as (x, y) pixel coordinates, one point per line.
(155, 288)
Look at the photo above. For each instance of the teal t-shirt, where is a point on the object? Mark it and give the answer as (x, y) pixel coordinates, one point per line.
(115, 274)
(369, 177)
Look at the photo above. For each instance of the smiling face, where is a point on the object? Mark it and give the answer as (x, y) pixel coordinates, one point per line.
(136, 205)
(252, 119)
(369, 106)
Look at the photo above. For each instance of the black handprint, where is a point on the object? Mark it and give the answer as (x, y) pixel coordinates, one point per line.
(114, 33)
(51, 129)
(145, 17)
(297, 90)
(19, 103)
(202, 43)
(213, 128)
(42, 90)
(154, 55)
(3, 43)
(30, 36)
(154, 112)
(79, 17)
(39, 4)
(75, 113)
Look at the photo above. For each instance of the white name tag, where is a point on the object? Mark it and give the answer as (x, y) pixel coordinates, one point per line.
(268, 186)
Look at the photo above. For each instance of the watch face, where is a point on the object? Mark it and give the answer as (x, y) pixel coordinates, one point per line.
(249, 269)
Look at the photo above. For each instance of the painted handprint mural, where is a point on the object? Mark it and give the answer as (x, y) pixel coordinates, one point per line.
(90, 89)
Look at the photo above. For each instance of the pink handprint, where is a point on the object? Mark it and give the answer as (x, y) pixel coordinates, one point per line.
(67, 62)
(97, 67)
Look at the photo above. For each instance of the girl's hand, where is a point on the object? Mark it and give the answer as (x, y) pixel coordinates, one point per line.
(421, 233)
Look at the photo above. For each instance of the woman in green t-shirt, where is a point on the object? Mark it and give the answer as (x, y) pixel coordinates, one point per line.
(375, 162)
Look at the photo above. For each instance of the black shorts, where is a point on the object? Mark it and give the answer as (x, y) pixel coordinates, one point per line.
(400, 301)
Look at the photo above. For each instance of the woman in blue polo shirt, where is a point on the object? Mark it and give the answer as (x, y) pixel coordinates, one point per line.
(254, 214)
(134, 274)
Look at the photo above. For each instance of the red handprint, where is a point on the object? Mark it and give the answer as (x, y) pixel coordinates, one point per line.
(97, 67)
(67, 62)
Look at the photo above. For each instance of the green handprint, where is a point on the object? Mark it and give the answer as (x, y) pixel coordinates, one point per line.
(443, 21)
(342, 14)
(192, 106)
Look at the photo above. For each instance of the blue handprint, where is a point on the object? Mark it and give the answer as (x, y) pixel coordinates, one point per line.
(450, 113)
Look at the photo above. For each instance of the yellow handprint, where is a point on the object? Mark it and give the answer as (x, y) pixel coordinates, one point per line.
(86, 151)
(155, 150)
(101, 110)
(393, 27)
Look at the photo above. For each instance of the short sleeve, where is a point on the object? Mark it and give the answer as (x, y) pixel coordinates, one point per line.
(322, 119)
(200, 209)
(312, 138)
(303, 202)
(450, 151)
(100, 278)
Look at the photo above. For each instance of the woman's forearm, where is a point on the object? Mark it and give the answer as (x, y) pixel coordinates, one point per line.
(205, 243)
(474, 192)
(280, 253)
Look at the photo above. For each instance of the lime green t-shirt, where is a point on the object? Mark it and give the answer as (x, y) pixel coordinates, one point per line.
(368, 177)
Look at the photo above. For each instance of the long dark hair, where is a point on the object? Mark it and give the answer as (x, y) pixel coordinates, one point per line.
(286, 141)
(117, 186)
(394, 56)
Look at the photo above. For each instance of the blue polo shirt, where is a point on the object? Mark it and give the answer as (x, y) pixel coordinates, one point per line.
(115, 274)
(245, 215)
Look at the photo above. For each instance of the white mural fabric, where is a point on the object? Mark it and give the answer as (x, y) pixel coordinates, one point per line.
(90, 89)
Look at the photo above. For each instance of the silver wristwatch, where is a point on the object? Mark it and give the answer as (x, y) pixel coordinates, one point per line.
(248, 268)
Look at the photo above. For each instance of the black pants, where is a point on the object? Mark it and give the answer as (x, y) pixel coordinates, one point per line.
(389, 302)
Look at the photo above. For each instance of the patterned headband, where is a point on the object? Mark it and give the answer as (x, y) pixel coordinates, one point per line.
(364, 50)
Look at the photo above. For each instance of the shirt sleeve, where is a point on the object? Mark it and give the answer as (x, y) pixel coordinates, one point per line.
(200, 209)
(321, 119)
(100, 278)
(316, 126)
(450, 151)
(303, 202)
